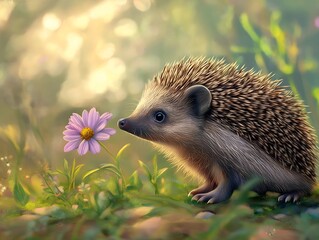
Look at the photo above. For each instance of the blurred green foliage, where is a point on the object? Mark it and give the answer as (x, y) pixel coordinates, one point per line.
(59, 57)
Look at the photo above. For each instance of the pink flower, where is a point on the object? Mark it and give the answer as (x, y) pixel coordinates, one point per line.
(84, 132)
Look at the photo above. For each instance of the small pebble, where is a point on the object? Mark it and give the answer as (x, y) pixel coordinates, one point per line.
(148, 227)
(279, 216)
(45, 210)
(28, 217)
(204, 215)
(134, 213)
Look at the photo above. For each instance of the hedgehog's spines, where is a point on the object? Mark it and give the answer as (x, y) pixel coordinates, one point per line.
(253, 106)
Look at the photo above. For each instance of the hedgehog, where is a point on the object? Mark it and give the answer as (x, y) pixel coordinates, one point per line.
(225, 125)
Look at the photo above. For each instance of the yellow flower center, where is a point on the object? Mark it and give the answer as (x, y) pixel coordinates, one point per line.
(87, 133)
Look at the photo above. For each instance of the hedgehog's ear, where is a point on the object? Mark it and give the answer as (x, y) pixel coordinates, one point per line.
(200, 99)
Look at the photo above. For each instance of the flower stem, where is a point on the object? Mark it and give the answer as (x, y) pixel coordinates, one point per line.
(117, 165)
(105, 148)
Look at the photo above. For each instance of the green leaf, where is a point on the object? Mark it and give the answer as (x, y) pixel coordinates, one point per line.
(66, 166)
(135, 182)
(109, 167)
(113, 170)
(265, 47)
(120, 152)
(58, 171)
(286, 68)
(315, 93)
(161, 171)
(244, 20)
(73, 165)
(155, 166)
(89, 173)
(19, 194)
(277, 32)
(77, 169)
(71, 175)
(9, 132)
(146, 169)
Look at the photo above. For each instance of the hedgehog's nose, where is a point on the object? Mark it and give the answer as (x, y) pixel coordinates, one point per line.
(122, 123)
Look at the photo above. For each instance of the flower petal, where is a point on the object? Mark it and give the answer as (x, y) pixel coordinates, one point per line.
(93, 118)
(71, 126)
(72, 137)
(109, 131)
(106, 116)
(94, 146)
(100, 125)
(85, 116)
(104, 134)
(83, 147)
(72, 132)
(72, 145)
(77, 119)
(101, 136)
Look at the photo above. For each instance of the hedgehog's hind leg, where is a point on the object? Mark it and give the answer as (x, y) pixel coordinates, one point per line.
(291, 197)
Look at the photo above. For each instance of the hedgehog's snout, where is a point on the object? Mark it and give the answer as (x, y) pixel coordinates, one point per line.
(134, 126)
(123, 124)
(128, 125)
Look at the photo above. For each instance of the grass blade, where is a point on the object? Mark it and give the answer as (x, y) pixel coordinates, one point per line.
(109, 167)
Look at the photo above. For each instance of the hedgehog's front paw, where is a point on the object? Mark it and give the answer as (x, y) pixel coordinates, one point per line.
(207, 187)
(211, 197)
(290, 197)
(221, 193)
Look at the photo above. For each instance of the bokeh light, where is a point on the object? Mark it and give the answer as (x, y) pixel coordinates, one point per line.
(142, 5)
(5, 10)
(51, 22)
(57, 57)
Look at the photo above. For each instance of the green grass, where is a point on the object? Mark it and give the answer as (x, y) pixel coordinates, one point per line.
(73, 203)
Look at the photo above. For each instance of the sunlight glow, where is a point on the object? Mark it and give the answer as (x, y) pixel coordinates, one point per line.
(107, 77)
(105, 50)
(80, 22)
(106, 10)
(74, 43)
(78, 89)
(6, 8)
(51, 22)
(27, 69)
(142, 5)
(126, 28)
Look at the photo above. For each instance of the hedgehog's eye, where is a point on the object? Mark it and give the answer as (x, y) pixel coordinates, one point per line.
(159, 116)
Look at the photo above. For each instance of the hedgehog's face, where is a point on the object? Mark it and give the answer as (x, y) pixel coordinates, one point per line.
(164, 118)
